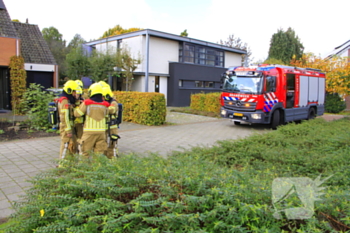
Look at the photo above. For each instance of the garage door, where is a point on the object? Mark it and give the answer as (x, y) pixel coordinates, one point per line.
(43, 78)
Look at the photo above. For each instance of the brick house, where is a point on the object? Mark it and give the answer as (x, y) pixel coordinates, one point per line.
(27, 41)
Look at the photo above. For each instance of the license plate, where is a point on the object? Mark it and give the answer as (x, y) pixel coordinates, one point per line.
(238, 114)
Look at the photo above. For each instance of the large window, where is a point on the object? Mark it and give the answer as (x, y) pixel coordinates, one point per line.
(198, 54)
(196, 84)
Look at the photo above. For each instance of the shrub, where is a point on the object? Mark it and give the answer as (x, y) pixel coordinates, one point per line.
(35, 106)
(209, 102)
(146, 108)
(334, 103)
(224, 188)
(18, 77)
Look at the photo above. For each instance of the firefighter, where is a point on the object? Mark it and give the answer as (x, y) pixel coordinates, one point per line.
(95, 110)
(84, 95)
(78, 121)
(65, 104)
(111, 126)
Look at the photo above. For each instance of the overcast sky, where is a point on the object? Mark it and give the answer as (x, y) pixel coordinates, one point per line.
(321, 25)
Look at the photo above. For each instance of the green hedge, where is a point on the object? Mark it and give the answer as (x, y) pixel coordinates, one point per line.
(334, 103)
(146, 108)
(209, 102)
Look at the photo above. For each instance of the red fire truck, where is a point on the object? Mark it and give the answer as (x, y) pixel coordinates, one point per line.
(272, 94)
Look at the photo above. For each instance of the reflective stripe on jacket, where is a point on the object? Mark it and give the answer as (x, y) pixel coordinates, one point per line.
(64, 113)
(95, 120)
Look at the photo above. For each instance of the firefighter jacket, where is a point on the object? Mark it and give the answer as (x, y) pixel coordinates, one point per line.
(78, 120)
(65, 114)
(95, 115)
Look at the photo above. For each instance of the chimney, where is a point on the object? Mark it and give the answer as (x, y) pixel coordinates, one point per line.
(27, 20)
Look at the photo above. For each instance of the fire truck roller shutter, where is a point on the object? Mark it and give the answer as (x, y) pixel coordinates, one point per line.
(313, 89)
(303, 91)
(321, 90)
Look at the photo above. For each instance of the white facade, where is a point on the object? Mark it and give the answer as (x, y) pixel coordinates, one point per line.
(39, 67)
(232, 59)
(162, 51)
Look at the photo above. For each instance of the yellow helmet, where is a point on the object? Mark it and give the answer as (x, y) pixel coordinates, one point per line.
(70, 86)
(79, 90)
(80, 83)
(94, 89)
(103, 84)
(107, 93)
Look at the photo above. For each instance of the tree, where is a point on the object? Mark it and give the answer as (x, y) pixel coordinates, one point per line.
(102, 64)
(78, 63)
(237, 43)
(184, 33)
(273, 61)
(118, 30)
(76, 42)
(285, 45)
(337, 71)
(57, 47)
(128, 64)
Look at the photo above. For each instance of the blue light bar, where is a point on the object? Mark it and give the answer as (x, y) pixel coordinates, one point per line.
(268, 68)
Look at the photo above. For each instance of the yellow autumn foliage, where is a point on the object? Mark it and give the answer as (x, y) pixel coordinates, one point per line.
(337, 71)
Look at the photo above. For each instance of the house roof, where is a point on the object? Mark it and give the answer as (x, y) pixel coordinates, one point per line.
(6, 27)
(339, 49)
(155, 33)
(34, 48)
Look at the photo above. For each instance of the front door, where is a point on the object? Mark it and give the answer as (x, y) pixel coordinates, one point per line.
(156, 84)
(4, 89)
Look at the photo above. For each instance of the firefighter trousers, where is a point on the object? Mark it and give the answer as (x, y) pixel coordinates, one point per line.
(68, 145)
(93, 141)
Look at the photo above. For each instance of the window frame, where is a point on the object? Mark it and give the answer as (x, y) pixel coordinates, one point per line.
(201, 55)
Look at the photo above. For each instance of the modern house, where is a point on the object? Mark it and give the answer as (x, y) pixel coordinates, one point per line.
(26, 40)
(342, 50)
(173, 65)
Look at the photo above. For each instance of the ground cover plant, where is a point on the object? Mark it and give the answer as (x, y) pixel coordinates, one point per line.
(224, 188)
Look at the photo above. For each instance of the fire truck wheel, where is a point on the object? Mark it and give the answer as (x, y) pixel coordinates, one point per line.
(275, 119)
(237, 122)
(311, 114)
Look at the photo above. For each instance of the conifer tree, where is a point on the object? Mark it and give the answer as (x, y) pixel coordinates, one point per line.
(285, 45)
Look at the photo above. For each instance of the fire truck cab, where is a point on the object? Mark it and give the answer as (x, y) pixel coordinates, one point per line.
(272, 94)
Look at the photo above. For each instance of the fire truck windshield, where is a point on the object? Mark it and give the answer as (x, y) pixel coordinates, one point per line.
(243, 84)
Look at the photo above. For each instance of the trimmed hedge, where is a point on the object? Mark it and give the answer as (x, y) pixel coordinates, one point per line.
(18, 77)
(209, 102)
(146, 108)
